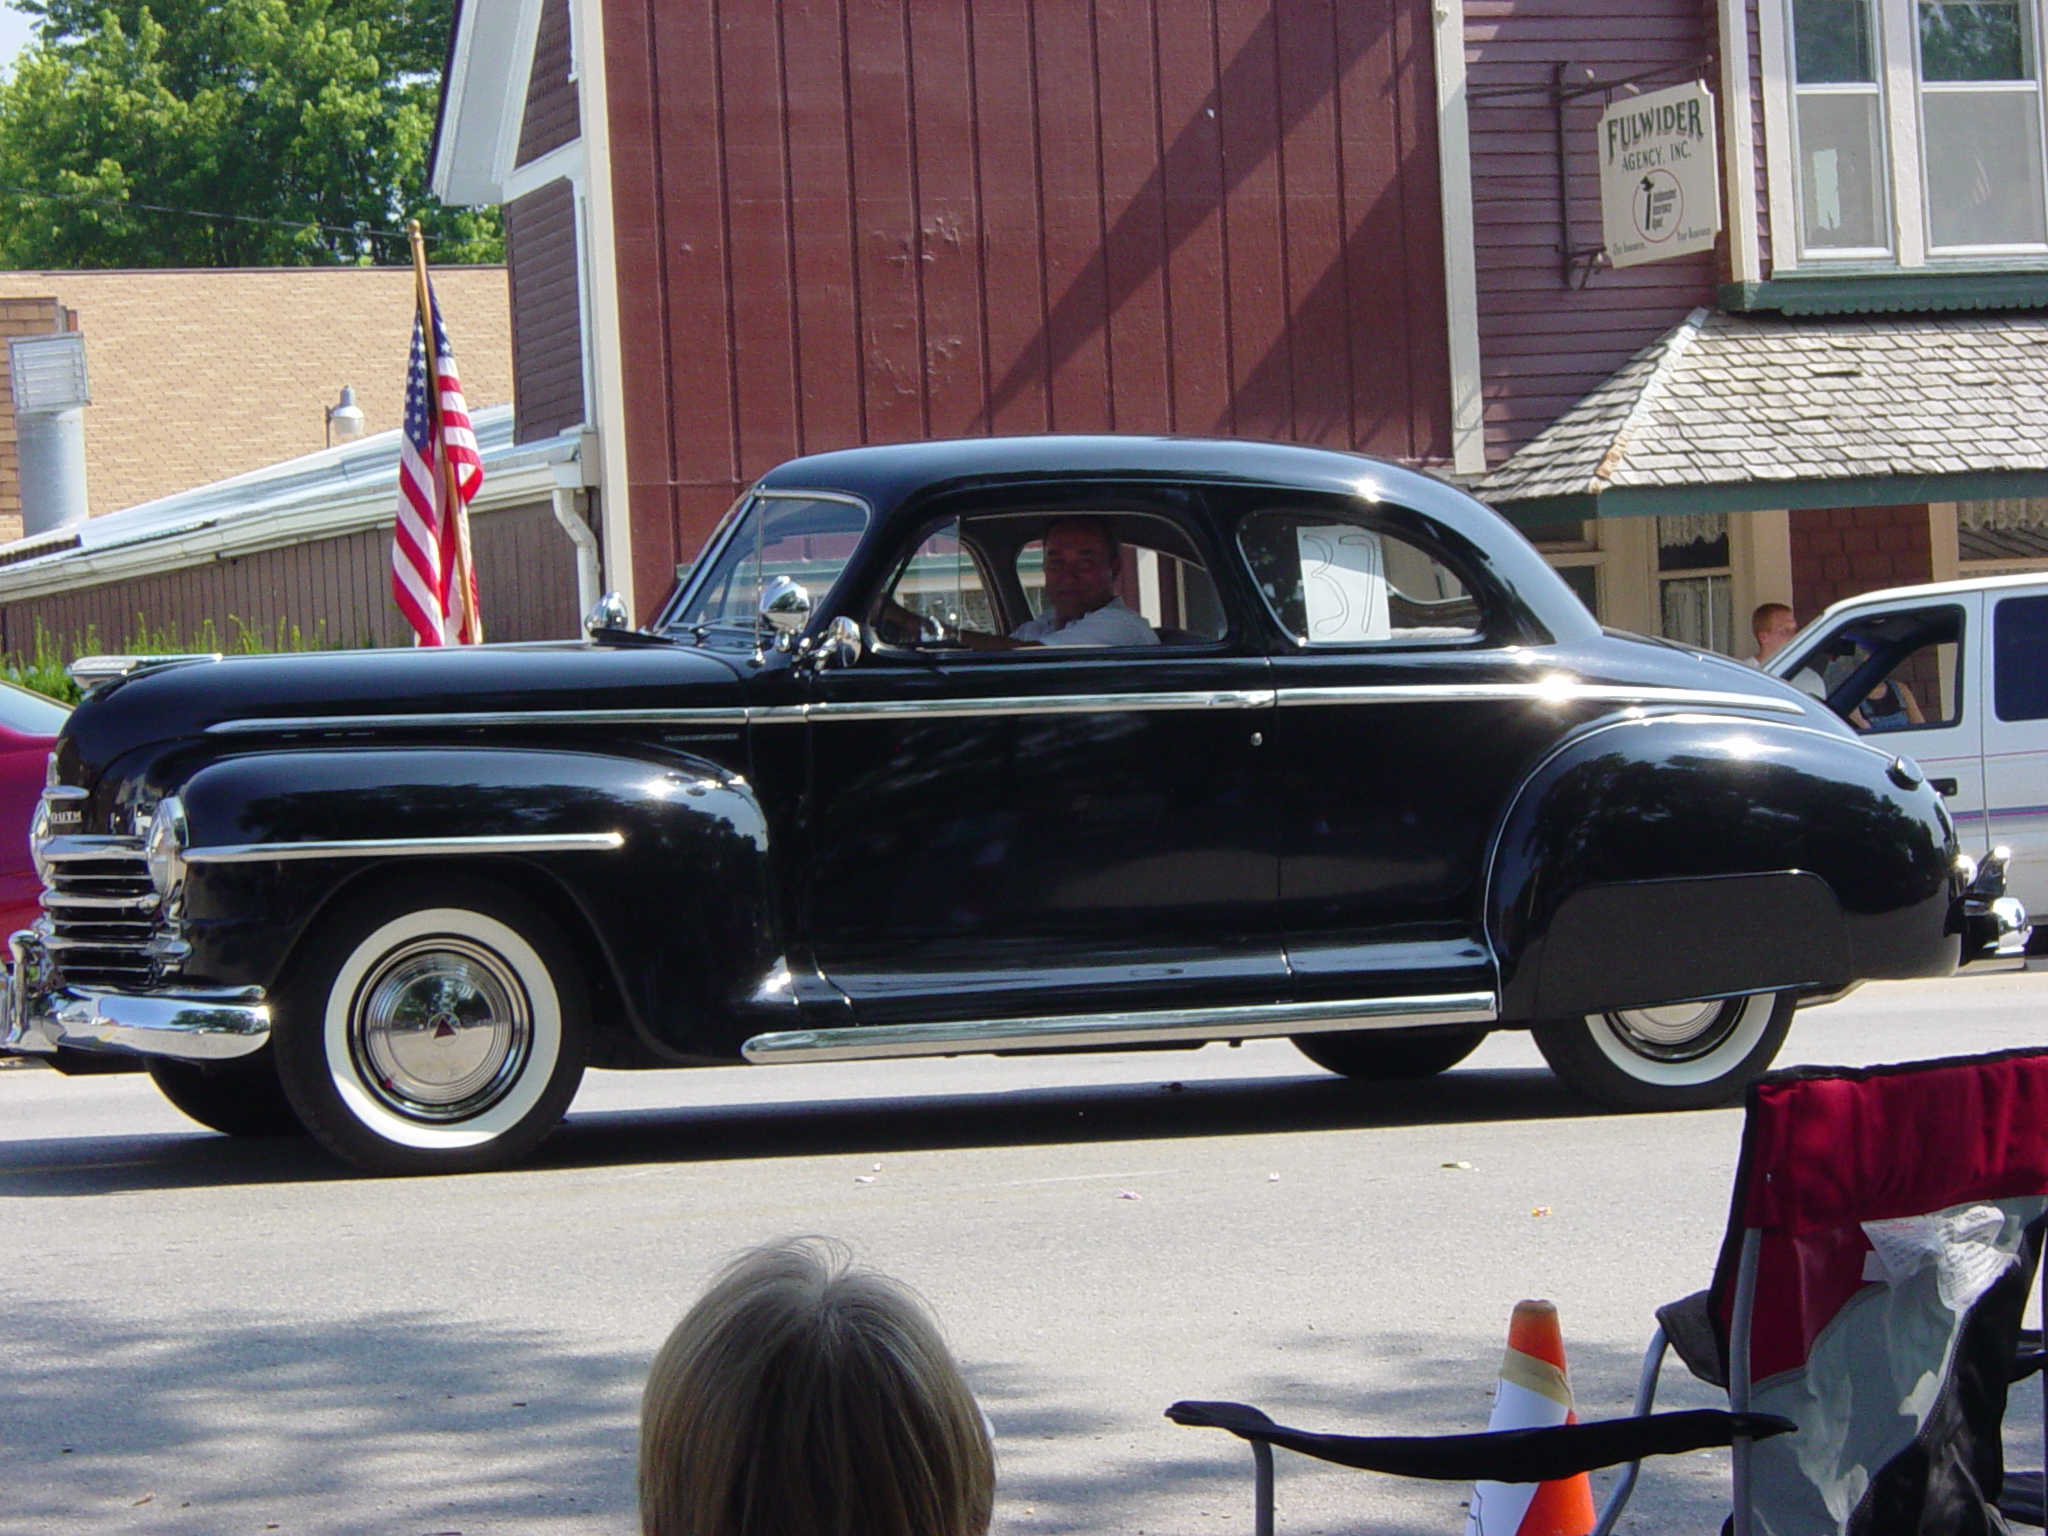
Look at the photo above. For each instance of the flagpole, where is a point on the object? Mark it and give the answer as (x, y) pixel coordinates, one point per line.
(444, 467)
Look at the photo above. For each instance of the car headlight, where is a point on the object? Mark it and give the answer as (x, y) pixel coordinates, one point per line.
(163, 847)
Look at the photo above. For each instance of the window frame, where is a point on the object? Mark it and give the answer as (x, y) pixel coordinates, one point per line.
(1492, 605)
(1902, 134)
(996, 565)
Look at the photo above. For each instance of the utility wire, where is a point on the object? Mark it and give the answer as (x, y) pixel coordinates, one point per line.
(201, 213)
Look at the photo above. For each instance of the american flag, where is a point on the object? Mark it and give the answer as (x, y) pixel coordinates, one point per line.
(432, 575)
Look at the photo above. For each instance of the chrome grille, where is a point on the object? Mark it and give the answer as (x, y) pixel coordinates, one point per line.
(100, 911)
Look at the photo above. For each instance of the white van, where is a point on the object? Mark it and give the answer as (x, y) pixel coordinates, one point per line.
(1955, 674)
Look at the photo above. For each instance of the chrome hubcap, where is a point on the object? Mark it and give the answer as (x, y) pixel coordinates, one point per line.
(440, 1029)
(1678, 1032)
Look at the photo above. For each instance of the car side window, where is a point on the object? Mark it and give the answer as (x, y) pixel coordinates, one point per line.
(2019, 642)
(1332, 581)
(939, 590)
(1170, 592)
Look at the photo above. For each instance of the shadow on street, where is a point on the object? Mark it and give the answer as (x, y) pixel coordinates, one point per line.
(1148, 1111)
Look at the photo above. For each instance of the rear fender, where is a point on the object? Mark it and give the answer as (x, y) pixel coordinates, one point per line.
(678, 913)
(1672, 857)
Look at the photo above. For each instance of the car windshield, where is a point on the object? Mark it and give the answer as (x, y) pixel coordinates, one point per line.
(807, 538)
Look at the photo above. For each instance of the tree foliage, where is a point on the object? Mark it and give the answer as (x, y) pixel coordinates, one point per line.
(300, 126)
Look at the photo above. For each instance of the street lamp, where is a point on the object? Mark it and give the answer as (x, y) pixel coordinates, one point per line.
(344, 417)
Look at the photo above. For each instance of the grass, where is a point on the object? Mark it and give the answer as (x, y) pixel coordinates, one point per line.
(42, 668)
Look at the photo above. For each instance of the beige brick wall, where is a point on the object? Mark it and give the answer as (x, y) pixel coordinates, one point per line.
(198, 375)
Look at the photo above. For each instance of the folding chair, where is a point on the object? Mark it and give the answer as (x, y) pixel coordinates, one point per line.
(1884, 1229)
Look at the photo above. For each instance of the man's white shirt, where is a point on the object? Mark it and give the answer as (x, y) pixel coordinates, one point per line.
(1114, 623)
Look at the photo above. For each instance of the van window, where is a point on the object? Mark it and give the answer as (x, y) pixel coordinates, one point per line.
(2019, 648)
(1891, 671)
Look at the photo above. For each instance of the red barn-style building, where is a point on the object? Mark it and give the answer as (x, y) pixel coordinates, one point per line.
(741, 230)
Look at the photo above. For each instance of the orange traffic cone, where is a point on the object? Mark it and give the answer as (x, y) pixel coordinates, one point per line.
(1534, 1393)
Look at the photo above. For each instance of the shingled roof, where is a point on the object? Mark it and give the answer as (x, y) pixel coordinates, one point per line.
(1731, 413)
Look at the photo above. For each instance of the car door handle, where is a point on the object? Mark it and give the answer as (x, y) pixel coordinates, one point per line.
(1943, 787)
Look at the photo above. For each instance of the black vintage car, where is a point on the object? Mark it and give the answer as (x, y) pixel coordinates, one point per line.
(1354, 767)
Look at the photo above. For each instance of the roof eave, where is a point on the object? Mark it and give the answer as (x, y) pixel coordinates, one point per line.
(1774, 495)
(483, 93)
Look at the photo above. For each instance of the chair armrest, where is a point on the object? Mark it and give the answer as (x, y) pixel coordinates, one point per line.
(1503, 1456)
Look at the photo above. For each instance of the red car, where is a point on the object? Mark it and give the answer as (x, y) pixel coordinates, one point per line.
(28, 730)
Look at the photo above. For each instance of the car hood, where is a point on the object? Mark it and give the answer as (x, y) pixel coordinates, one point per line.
(185, 699)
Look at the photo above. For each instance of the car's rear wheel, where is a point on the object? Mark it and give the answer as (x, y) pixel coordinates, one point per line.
(1390, 1053)
(234, 1100)
(434, 1029)
(1685, 1056)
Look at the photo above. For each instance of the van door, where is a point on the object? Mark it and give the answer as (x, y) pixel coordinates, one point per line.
(2016, 740)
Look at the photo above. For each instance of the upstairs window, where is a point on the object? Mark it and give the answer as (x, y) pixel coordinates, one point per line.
(1918, 129)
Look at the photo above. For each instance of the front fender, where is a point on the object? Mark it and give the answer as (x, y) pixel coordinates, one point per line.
(679, 913)
(1672, 857)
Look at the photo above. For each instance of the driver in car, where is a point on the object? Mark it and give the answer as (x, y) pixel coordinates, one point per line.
(1082, 562)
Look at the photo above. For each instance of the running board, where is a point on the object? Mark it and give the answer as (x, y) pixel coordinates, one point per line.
(1073, 1031)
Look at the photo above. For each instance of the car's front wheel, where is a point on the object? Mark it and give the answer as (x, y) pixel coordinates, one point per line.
(1684, 1056)
(234, 1100)
(1389, 1053)
(433, 1029)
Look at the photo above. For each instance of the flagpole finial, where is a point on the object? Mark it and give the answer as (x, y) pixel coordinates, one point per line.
(412, 227)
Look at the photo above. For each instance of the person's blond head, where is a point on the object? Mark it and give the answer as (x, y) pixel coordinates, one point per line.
(805, 1397)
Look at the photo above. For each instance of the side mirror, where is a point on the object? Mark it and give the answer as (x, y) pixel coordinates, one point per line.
(785, 607)
(840, 645)
(607, 613)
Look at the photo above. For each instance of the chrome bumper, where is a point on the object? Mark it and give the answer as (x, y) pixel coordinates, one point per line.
(1995, 925)
(37, 1017)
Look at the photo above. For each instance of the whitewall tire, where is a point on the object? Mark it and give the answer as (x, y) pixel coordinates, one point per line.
(1685, 1056)
(433, 1029)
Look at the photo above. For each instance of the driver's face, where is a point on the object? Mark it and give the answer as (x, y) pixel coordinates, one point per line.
(1080, 572)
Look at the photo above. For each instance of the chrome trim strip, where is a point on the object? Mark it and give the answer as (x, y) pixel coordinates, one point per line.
(1065, 1031)
(1565, 692)
(54, 899)
(272, 724)
(63, 850)
(1052, 704)
(406, 847)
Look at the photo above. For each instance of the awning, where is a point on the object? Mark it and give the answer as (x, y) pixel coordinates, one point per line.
(1742, 413)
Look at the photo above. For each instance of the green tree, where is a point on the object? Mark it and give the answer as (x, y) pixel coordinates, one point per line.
(301, 125)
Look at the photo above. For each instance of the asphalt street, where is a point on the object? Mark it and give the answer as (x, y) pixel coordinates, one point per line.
(210, 1336)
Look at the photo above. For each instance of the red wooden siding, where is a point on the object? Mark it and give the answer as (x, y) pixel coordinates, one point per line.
(845, 221)
(1543, 346)
(338, 590)
(547, 314)
(1757, 139)
(551, 115)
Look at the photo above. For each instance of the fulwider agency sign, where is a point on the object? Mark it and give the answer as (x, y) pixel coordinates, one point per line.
(1660, 193)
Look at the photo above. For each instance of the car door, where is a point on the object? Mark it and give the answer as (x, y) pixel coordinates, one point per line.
(2016, 740)
(1037, 833)
(1403, 724)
